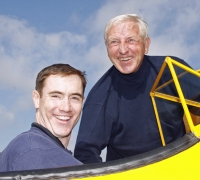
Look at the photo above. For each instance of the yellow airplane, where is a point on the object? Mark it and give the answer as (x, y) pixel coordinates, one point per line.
(177, 160)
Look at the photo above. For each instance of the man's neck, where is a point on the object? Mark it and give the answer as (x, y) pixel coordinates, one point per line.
(65, 141)
(46, 131)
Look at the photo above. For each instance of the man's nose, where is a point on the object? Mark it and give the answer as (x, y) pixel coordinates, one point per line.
(65, 105)
(123, 47)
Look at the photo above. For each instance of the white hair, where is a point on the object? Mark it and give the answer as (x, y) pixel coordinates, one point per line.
(142, 25)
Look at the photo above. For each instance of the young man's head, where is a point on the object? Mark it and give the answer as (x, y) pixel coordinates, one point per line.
(58, 69)
(58, 99)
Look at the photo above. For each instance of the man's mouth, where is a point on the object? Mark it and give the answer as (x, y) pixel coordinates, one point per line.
(125, 59)
(63, 118)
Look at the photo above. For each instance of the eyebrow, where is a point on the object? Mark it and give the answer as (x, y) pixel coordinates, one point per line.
(58, 92)
(112, 37)
(55, 92)
(77, 94)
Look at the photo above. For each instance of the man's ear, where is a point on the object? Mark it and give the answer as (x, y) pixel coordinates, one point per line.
(147, 44)
(36, 99)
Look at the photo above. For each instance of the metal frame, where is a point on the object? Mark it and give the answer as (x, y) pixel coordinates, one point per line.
(185, 102)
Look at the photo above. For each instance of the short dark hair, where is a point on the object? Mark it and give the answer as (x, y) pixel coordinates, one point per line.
(58, 69)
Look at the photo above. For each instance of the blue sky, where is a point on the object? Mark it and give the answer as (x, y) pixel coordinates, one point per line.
(38, 33)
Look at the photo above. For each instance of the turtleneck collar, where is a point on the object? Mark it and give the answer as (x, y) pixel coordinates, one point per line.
(137, 76)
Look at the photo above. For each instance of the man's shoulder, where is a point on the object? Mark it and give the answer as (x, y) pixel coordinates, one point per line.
(105, 78)
(14, 149)
(157, 60)
(19, 140)
(19, 144)
(102, 87)
(25, 141)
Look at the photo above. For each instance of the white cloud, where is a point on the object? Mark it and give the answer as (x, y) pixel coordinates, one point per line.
(24, 51)
(7, 116)
(172, 27)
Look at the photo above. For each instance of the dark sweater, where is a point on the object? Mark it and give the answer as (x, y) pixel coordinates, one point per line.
(118, 114)
(35, 149)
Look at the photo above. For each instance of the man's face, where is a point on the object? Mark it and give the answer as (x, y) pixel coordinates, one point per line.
(125, 47)
(60, 106)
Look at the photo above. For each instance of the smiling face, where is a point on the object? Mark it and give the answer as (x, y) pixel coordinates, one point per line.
(59, 107)
(125, 46)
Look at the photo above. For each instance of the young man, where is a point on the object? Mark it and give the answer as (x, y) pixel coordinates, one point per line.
(118, 113)
(58, 99)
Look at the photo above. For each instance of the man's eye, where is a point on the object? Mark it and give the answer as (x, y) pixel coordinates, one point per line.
(76, 98)
(131, 40)
(55, 96)
(114, 42)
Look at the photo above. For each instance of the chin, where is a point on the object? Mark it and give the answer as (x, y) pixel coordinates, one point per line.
(129, 71)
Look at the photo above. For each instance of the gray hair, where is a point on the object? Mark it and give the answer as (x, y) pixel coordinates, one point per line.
(143, 26)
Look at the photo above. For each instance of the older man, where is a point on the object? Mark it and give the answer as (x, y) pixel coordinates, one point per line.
(58, 99)
(118, 113)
